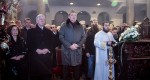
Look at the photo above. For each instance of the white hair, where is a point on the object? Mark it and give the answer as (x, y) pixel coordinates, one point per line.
(39, 16)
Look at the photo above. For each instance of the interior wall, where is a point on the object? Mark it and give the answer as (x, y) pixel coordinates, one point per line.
(50, 14)
(93, 11)
(27, 10)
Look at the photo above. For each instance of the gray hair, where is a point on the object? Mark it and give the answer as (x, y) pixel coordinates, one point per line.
(39, 16)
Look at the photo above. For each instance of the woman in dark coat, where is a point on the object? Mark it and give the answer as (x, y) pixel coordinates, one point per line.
(16, 55)
(40, 45)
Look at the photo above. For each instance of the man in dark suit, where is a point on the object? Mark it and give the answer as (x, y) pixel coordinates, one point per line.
(40, 45)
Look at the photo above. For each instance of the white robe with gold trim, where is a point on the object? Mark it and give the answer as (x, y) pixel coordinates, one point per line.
(102, 67)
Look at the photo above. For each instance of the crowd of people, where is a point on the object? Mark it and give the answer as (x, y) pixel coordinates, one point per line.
(33, 49)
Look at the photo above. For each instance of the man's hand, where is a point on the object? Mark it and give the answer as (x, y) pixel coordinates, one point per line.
(73, 47)
(14, 58)
(39, 51)
(20, 56)
(76, 45)
(42, 51)
(45, 51)
(17, 57)
(109, 43)
(87, 54)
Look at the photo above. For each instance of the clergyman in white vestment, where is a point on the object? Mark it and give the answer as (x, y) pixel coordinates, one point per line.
(101, 42)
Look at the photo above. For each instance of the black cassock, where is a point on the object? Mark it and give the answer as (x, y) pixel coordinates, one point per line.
(40, 64)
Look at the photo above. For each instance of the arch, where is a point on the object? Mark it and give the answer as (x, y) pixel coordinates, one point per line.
(60, 17)
(103, 16)
(85, 16)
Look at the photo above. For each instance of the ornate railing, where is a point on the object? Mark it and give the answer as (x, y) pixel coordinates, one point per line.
(134, 58)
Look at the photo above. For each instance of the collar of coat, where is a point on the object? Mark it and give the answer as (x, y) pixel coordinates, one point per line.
(37, 26)
(68, 22)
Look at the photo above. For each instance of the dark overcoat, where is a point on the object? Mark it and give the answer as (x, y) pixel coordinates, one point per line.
(40, 64)
(69, 34)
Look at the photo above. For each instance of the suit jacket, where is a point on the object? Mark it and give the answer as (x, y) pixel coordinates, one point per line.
(40, 64)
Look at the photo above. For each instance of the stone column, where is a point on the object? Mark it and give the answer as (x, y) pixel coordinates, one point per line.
(148, 10)
(41, 7)
(130, 12)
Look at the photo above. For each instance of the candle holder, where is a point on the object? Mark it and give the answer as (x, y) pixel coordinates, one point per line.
(111, 62)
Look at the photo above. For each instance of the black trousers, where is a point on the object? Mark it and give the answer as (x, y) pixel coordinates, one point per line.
(75, 71)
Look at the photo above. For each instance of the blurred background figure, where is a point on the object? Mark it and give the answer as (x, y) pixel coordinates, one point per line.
(83, 23)
(90, 49)
(26, 27)
(19, 24)
(48, 26)
(57, 43)
(113, 34)
(122, 28)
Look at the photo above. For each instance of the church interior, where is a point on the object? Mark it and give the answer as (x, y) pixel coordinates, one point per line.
(131, 54)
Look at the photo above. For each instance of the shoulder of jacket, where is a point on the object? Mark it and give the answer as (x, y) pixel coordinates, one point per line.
(32, 29)
(63, 24)
(99, 33)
